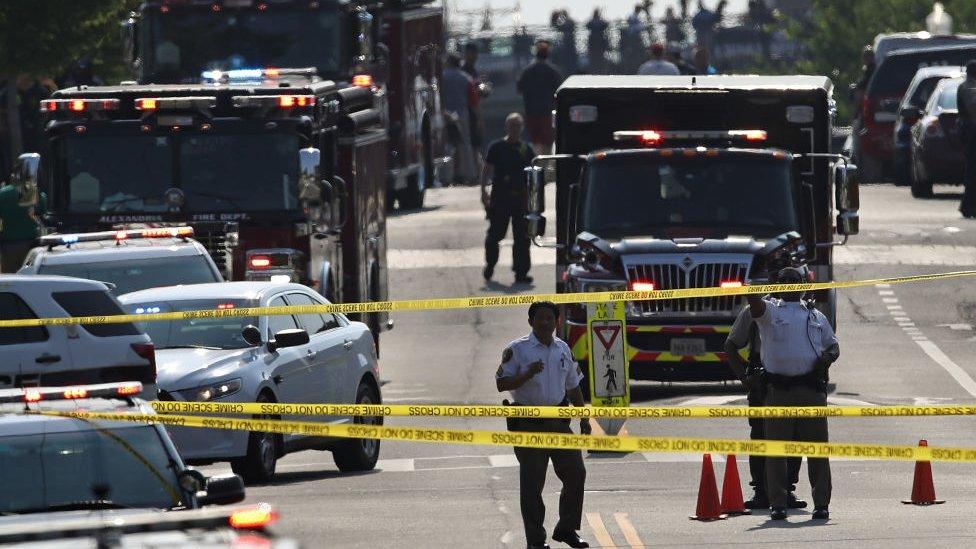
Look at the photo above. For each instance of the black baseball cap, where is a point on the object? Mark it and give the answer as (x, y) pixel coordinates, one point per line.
(790, 275)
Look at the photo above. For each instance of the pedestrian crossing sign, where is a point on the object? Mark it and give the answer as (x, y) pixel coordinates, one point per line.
(609, 373)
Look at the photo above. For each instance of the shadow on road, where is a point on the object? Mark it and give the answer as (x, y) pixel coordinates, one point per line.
(643, 391)
(791, 522)
(295, 477)
(513, 289)
(400, 212)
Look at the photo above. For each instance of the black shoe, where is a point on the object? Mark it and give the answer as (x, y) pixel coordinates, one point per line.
(539, 546)
(523, 279)
(821, 513)
(487, 272)
(778, 513)
(793, 503)
(758, 501)
(571, 539)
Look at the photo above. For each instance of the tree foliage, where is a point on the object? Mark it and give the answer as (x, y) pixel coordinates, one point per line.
(837, 30)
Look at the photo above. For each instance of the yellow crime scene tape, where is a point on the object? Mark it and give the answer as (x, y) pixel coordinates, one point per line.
(479, 301)
(549, 440)
(555, 412)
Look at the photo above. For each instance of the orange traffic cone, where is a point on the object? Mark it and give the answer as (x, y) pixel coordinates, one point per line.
(923, 489)
(732, 503)
(708, 507)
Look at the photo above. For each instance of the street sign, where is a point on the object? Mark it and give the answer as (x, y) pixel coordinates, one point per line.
(609, 372)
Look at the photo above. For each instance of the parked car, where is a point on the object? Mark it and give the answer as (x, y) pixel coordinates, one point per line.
(888, 42)
(309, 358)
(936, 153)
(875, 150)
(69, 354)
(911, 109)
(127, 260)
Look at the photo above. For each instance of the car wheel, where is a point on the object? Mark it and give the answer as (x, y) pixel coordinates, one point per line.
(412, 197)
(921, 184)
(360, 454)
(262, 454)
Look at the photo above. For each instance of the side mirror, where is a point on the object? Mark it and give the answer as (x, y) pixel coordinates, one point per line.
(847, 198)
(289, 338)
(340, 192)
(223, 490)
(913, 113)
(25, 176)
(129, 29)
(309, 191)
(252, 335)
(535, 187)
(536, 224)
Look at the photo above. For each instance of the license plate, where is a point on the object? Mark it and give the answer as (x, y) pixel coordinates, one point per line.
(687, 347)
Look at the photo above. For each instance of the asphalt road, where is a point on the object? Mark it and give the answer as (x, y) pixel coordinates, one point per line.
(900, 345)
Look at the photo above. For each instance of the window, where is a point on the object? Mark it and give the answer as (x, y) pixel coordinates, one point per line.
(209, 333)
(131, 275)
(95, 303)
(313, 323)
(14, 308)
(278, 323)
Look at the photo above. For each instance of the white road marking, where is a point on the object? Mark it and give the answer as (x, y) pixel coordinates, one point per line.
(960, 375)
(395, 465)
(503, 460)
(889, 300)
(894, 307)
(957, 327)
(886, 292)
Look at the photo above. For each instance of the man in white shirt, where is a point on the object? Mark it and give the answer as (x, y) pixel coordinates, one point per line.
(798, 346)
(657, 64)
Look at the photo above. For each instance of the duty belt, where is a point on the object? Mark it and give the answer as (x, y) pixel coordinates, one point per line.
(813, 380)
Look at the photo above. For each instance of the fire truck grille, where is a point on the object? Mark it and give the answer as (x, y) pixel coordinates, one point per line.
(677, 277)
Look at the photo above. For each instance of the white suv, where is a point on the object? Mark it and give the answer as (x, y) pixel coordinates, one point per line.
(72, 354)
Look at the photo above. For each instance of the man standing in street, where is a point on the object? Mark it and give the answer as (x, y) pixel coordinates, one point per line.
(19, 228)
(505, 165)
(537, 84)
(966, 99)
(745, 335)
(458, 98)
(539, 370)
(798, 346)
(657, 65)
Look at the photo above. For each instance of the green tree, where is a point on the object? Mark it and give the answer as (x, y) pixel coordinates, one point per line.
(837, 30)
(42, 38)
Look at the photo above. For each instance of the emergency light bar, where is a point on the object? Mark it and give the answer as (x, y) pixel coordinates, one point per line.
(272, 101)
(79, 105)
(655, 136)
(38, 394)
(161, 232)
(174, 103)
(253, 75)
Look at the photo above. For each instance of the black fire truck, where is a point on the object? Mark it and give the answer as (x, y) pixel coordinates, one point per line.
(685, 182)
(392, 47)
(280, 175)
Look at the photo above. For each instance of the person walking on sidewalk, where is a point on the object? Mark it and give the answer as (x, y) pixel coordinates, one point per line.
(798, 347)
(507, 201)
(538, 369)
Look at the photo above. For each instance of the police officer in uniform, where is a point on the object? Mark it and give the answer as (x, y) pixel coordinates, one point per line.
(744, 334)
(798, 347)
(538, 369)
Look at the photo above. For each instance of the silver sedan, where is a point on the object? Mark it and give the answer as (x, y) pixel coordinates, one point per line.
(314, 358)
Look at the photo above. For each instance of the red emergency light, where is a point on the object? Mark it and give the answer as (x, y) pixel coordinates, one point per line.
(79, 105)
(639, 286)
(731, 284)
(255, 518)
(363, 80)
(260, 262)
(289, 101)
(37, 394)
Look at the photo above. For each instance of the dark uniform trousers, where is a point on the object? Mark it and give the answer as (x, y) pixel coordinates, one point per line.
(968, 204)
(802, 430)
(533, 466)
(757, 464)
(505, 206)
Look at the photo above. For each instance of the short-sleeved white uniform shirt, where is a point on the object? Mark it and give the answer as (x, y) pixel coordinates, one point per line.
(548, 387)
(793, 337)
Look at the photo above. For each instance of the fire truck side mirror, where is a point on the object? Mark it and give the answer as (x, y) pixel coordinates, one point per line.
(25, 176)
(536, 224)
(847, 198)
(535, 187)
(309, 191)
(129, 28)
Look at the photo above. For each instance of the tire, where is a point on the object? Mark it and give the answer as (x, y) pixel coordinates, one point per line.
(373, 319)
(263, 451)
(360, 454)
(921, 185)
(412, 197)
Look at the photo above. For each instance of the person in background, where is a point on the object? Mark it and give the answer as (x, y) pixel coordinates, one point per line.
(483, 88)
(966, 99)
(458, 98)
(537, 84)
(674, 56)
(567, 58)
(19, 227)
(657, 65)
(597, 44)
(702, 64)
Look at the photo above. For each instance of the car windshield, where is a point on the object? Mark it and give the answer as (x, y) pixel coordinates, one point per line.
(128, 173)
(183, 43)
(923, 91)
(895, 73)
(207, 333)
(643, 195)
(139, 274)
(93, 468)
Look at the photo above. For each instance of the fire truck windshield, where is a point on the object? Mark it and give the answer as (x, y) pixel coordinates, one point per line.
(183, 42)
(213, 172)
(667, 197)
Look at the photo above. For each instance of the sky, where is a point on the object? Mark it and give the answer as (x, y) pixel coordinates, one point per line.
(538, 11)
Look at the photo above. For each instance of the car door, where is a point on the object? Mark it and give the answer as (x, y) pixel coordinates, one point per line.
(327, 353)
(289, 367)
(26, 352)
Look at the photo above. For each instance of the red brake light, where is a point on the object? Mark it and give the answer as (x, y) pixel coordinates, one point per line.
(289, 101)
(76, 392)
(225, 306)
(33, 395)
(121, 235)
(651, 137)
(260, 262)
(253, 519)
(362, 80)
(731, 284)
(271, 73)
(131, 389)
(642, 286)
(76, 105)
(755, 135)
(146, 104)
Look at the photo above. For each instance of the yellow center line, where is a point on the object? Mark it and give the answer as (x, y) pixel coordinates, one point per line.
(599, 530)
(630, 533)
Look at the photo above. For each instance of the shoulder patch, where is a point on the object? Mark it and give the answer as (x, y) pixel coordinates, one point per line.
(507, 354)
